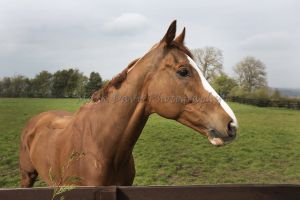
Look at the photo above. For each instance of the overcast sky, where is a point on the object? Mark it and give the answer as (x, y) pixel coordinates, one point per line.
(105, 35)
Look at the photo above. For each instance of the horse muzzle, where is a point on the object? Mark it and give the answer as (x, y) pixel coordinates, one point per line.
(219, 139)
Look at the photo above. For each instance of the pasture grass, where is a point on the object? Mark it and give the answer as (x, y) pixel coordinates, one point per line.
(267, 149)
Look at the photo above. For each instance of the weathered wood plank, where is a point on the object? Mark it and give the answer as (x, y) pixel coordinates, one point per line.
(203, 192)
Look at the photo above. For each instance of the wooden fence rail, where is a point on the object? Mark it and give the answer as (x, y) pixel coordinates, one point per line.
(203, 192)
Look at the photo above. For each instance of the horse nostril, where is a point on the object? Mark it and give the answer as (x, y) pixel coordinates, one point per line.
(231, 129)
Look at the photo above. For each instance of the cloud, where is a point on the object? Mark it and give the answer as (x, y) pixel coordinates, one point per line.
(127, 23)
(105, 35)
(270, 41)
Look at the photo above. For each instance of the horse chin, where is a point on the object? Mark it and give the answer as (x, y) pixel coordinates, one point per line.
(218, 141)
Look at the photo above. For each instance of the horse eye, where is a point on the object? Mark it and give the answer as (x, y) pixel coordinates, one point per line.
(183, 72)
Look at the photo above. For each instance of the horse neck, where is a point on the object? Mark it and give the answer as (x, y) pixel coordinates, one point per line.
(125, 116)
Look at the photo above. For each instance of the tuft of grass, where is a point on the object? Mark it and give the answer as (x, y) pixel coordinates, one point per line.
(58, 188)
(267, 149)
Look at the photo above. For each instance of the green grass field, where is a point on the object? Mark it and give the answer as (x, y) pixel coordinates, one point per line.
(267, 149)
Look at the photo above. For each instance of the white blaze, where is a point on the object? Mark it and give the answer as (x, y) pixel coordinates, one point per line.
(208, 87)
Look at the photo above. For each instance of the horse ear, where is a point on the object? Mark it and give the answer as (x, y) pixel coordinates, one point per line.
(180, 38)
(170, 34)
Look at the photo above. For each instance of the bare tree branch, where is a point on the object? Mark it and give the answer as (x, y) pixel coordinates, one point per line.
(210, 60)
(251, 74)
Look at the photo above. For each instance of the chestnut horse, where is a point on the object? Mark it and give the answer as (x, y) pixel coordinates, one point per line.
(104, 131)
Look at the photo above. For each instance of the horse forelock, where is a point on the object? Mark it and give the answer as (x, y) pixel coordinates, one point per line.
(181, 47)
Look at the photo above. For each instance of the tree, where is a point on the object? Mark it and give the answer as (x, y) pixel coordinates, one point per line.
(65, 82)
(41, 84)
(6, 87)
(223, 85)
(94, 83)
(80, 89)
(18, 86)
(1, 88)
(74, 77)
(28, 92)
(60, 81)
(210, 60)
(251, 74)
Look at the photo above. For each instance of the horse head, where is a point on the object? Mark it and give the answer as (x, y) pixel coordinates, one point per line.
(177, 89)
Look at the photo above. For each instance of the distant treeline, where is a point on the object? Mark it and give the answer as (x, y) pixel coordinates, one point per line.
(268, 102)
(62, 83)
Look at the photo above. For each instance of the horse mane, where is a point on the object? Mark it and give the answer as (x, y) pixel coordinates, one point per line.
(117, 81)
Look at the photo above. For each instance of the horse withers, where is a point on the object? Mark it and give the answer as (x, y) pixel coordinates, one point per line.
(95, 143)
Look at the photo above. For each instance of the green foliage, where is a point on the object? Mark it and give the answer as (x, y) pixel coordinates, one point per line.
(263, 97)
(266, 150)
(94, 83)
(223, 85)
(5, 87)
(261, 93)
(60, 81)
(15, 86)
(63, 83)
(238, 92)
(80, 90)
(42, 84)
